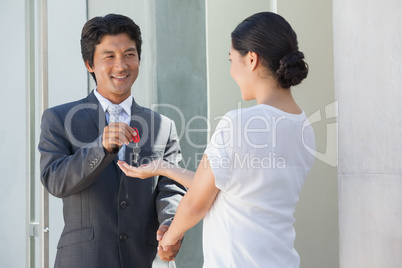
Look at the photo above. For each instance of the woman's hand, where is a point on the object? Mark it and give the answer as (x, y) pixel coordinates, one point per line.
(143, 171)
(158, 167)
(166, 243)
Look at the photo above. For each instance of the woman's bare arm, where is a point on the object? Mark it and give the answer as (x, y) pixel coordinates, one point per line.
(194, 205)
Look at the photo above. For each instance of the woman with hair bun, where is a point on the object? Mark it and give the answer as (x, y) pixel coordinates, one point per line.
(248, 182)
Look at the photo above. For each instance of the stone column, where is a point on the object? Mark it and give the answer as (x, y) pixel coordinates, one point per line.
(368, 77)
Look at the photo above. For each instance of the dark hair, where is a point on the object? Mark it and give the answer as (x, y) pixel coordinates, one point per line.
(111, 24)
(272, 38)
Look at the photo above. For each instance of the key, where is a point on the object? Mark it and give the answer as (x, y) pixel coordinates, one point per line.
(136, 151)
(136, 148)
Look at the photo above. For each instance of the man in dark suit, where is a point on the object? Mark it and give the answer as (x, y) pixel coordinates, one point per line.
(110, 220)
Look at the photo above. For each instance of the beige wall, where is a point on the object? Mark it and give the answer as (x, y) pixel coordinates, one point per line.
(222, 17)
(317, 213)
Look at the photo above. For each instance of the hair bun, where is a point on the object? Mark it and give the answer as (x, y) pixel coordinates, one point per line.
(292, 69)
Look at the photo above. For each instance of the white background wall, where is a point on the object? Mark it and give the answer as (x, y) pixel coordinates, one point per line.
(368, 68)
(13, 141)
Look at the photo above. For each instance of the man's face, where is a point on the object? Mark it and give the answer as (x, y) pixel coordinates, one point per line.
(116, 66)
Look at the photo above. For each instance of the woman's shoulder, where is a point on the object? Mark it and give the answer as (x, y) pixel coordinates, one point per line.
(251, 113)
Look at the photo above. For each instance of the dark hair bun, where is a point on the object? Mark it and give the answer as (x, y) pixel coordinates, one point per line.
(292, 69)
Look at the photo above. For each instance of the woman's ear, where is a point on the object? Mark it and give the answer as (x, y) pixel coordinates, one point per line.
(253, 60)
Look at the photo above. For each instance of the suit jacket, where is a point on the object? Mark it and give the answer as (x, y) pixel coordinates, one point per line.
(110, 219)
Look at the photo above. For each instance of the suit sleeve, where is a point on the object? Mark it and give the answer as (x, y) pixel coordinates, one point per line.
(64, 170)
(170, 192)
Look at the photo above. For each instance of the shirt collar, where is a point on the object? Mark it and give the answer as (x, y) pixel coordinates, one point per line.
(126, 104)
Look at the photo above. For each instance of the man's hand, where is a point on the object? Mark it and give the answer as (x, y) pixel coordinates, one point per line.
(115, 135)
(169, 253)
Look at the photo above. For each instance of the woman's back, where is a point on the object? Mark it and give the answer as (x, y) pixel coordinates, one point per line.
(260, 162)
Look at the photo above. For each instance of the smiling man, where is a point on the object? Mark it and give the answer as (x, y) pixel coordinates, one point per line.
(110, 220)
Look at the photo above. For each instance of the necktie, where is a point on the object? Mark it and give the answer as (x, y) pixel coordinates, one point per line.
(114, 113)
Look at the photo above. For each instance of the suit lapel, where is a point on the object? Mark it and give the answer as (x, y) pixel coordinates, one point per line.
(96, 112)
